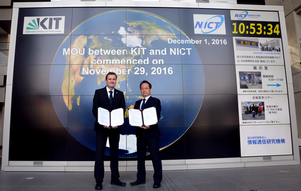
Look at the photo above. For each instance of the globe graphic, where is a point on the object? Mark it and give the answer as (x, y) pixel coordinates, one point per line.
(174, 70)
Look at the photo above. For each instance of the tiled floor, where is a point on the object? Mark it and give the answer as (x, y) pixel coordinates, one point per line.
(276, 178)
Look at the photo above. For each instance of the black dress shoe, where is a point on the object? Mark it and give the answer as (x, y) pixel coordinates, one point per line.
(98, 186)
(118, 182)
(137, 182)
(157, 185)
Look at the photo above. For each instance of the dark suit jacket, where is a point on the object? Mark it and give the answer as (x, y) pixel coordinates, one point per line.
(101, 99)
(154, 129)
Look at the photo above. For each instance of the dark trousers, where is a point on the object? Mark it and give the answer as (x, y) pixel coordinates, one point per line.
(153, 146)
(101, 139)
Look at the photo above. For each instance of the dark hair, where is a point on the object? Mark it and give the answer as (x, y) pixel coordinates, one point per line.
(145, 81)
(111, 73)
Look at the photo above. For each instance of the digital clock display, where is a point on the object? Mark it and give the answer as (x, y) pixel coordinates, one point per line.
(244, 42)
(258, 29)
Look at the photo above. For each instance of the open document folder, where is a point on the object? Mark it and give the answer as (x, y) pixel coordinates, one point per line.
(112, 118)
(145, 117)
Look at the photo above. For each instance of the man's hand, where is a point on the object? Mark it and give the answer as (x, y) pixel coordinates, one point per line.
(115, 127)
(107, 127)
(145, 127)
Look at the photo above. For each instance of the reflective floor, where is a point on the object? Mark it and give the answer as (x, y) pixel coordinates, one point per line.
(276, 178)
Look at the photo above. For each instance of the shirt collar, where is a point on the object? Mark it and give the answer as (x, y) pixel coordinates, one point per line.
(108, 90)
(146, 98)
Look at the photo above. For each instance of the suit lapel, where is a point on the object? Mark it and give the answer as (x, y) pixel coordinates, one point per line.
(148, 103)
(138, 104)
(105, 93)
(105, 96)
(116, 94)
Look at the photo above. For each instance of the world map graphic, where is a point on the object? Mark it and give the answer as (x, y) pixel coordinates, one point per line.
(113, 38)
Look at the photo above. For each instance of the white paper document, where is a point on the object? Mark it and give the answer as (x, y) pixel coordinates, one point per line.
(111, 119)
(145, 117)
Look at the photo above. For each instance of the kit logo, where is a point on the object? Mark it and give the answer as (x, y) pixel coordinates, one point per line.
(209, 24)
(44, 25)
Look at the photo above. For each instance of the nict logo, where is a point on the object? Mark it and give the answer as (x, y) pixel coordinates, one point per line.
(44, 25)
(209, 24)
(242, 15)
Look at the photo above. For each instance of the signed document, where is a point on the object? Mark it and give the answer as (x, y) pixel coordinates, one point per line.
(111, 119)
(145, 117)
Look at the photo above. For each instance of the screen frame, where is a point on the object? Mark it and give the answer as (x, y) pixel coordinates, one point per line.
(167, 164)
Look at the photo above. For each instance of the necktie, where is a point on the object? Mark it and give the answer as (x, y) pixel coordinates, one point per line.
(143, 103)
(111, 98)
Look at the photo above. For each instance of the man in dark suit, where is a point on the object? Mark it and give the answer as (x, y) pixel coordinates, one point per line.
(110, 99)
(148, 136)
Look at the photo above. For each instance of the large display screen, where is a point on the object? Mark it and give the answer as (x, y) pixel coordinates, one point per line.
(218, 73)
